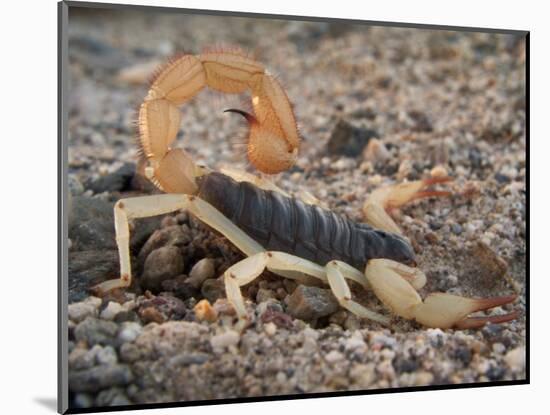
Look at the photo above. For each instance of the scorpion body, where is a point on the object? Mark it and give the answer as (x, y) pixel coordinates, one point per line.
(283, 234)
(280, 223)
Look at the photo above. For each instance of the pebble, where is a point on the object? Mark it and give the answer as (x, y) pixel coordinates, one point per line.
(225, 339)
(376, 151)
(349, 140)
(213, 289)
(515, 359)
(90, 267)
(129, 331)
(83, 400)
(99, 377)
(270, 328)
(106, 356)
(91, 224)
(204, 311)
(112, 309)
(96, 331)
(201, 271)
(75, 187)
(334, 356)
(355, 343)
(456, 228)
(112, 397)
(117, 181)
(169, 236)
(161, 264)
(308, 303)
(82, 358)
(80, 311)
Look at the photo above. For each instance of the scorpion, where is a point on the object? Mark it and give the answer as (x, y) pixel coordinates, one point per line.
(285, 235)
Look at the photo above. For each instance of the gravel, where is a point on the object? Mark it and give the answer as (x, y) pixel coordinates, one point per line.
(376, 106)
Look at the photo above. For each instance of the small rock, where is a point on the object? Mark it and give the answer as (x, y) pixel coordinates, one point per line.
(490, 263)
(83, 400)
(110, 312)
(161, 264)
(91, 224)
(126, 316)
(96, 331)
(106, 356)
(180, 287)
(88, 268)
(213, 289)
(201, 271)
(80, 311)
(112, 397)
(348, 140)
(264, 295)
(515, 359)
(498, 348)
(129, 331)
(225, 339)
(355, 343)
(376, 151)
(129, 352)
(456, 228)
(334, 356)
(99, 377)
(151, 314)
(421, 122)
(118, 181)
(81, 358)
(75, 187)
(169, 236)
(308, 303)
(270, 329)
(204, 311)
(138, 74)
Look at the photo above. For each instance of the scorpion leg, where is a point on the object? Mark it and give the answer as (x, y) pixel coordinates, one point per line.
(146, 206)
(390, 283)
(250, 268)
(383, 201)
(337, 271)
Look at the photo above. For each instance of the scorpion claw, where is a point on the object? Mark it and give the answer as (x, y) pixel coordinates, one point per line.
(387, 199)
(446, 310)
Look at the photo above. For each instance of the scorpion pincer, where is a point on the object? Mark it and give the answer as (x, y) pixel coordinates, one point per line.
(286, 235)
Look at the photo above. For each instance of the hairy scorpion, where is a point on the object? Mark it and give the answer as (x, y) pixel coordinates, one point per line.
(283, 234)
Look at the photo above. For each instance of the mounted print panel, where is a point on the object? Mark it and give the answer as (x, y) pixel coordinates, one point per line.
(263, 207)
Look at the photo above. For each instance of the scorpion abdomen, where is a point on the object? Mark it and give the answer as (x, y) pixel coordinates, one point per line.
(279, 223)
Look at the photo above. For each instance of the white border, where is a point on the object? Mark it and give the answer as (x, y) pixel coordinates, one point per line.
(29, 203)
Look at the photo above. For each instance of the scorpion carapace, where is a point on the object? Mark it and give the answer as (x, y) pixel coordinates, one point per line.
(280, 223)
(273, 139)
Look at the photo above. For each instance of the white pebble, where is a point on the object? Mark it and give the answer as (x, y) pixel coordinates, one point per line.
(130, 331)
(309, 333)
(203, 270)
(515, 359)
(79, 311)
(334, 356)
(270, 328)
(355, 343)
(226, 339)
(112, 309)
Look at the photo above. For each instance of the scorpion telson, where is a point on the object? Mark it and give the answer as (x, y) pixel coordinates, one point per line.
(289, 237)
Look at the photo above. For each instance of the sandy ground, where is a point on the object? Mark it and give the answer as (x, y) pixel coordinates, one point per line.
(431, 98)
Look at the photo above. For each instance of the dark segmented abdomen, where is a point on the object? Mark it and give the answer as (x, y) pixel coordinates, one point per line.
(279, 223)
